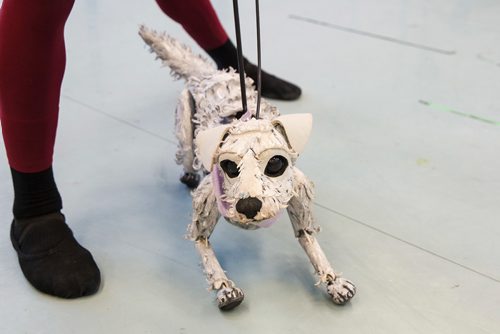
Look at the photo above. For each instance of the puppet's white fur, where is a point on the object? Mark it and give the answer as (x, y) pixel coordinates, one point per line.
(209, 133)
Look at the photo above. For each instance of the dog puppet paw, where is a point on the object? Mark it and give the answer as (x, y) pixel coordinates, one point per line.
(190, 179)
(341, 290)
(229, 298)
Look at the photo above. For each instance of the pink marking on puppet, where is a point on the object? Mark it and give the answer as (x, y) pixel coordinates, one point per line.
(218, 179)
(246, 116)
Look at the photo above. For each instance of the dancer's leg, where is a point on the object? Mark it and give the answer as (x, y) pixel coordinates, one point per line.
(201, 22)
(32, 62)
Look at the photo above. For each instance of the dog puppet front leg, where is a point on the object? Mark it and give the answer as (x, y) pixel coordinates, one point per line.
(299, 210)
(205, 217)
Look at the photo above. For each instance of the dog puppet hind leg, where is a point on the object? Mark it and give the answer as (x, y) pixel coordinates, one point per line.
(299, 210)
(205, 217)
(184, 133)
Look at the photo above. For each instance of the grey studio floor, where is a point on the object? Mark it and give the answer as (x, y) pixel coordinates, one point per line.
(405, 156)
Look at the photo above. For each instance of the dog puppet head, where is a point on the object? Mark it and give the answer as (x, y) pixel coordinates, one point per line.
(251, 164)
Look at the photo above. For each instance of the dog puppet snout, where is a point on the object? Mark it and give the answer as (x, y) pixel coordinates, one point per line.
(249, 206)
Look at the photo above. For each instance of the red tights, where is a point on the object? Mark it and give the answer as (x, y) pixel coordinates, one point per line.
(32, 62)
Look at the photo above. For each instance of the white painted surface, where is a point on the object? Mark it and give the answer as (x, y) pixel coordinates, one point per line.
(408, 195)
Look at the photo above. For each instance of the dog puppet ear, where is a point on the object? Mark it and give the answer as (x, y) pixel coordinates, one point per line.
(207, 141)
(297, 129)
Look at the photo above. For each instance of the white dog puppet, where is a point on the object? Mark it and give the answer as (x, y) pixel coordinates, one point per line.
(251, 163)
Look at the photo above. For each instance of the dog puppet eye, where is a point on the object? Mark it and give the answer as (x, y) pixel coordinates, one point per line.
(230, 168)
(276, 166)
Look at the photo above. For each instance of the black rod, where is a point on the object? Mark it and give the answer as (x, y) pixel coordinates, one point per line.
(241, 68)
(259, 83)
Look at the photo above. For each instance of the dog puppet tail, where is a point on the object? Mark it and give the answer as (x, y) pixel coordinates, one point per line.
(181, 60)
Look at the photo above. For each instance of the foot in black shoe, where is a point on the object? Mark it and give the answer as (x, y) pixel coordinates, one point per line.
(51, 259)
(226, 56)
(273, 87)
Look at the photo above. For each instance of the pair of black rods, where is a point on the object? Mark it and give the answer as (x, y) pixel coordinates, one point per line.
(241, 69)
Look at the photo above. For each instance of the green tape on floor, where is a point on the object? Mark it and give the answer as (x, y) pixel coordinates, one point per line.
(441, 107)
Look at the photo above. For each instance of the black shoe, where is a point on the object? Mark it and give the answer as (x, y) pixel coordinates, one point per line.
(226, 56)
(51, 259)
(273, 87)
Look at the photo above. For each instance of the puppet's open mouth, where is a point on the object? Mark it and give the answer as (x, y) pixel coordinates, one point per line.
(265, 222)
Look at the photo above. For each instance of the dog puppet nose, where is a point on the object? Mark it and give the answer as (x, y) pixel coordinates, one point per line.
(249, 206)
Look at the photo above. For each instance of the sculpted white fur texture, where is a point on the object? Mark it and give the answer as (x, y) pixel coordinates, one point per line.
(250, 162)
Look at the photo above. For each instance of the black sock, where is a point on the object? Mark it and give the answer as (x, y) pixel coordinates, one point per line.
(50, 257)
(226, 56)
(35, 194)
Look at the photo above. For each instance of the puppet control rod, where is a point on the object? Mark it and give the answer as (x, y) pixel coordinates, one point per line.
(241, 68)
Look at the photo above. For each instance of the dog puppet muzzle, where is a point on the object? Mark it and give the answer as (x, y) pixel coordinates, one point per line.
(248, 206)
